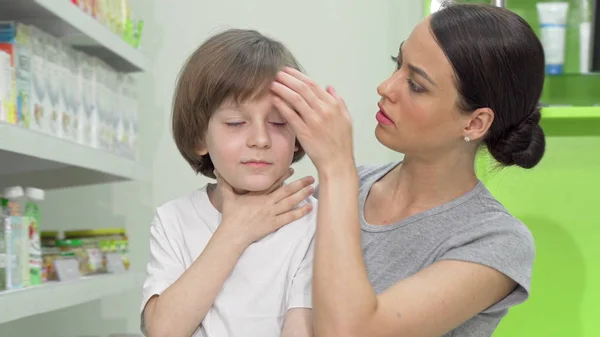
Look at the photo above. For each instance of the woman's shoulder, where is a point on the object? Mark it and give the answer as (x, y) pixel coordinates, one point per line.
(369, 172)
(485, 214)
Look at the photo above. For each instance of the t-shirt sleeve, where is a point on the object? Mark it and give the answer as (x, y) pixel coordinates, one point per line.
(164, 267)
(504, 244)
(301, 289)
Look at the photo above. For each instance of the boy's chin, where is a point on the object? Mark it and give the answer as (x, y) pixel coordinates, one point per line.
(257, 185)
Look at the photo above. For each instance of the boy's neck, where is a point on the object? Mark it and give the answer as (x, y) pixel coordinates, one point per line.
(216, 198)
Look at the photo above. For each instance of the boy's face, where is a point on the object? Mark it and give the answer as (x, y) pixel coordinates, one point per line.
(250, 145)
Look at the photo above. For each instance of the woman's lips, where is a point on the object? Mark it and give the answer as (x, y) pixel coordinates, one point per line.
(382, 118)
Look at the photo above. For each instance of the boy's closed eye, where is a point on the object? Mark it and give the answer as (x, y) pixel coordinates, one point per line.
(238, 124)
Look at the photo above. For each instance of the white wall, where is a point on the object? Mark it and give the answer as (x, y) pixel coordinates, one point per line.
(340, 42)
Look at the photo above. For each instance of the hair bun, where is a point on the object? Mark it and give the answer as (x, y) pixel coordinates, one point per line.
(523, 146)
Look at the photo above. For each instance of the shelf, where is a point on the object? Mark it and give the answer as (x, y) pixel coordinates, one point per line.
(32, 158)
(21, 303)
(64, 20)
(571, 121)
(569, 112)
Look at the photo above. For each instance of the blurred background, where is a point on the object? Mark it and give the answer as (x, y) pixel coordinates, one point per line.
(87, 180)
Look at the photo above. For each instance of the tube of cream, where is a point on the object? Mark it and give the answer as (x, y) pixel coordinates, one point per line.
(553, 22)
(585, 34)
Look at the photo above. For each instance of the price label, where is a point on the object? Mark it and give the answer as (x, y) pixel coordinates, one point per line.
(67, 269)
(115, 263)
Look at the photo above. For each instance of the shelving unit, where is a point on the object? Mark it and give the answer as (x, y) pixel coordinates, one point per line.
(21, 303)
(34, 159)
(62, 19)
(571, 121)
(31, 158)
(581, 113)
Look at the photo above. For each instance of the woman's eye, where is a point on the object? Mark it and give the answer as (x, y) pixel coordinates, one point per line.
(279, 124)
(414, 87)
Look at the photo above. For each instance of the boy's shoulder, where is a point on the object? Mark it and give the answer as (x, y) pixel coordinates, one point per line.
(185, 203)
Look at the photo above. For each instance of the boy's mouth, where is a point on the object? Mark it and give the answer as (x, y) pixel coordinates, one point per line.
(257, 163)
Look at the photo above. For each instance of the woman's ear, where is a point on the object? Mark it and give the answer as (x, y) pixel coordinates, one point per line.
(479, 123)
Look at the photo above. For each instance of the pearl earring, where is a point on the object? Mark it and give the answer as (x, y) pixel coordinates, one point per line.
(467, 139)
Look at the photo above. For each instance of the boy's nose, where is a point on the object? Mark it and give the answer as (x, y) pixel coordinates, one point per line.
(260, 138)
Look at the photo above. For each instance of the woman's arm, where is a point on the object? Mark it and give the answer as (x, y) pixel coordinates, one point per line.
(428, 304)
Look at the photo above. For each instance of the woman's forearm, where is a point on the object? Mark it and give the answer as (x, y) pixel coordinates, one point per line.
(343, 295)
(179, 310)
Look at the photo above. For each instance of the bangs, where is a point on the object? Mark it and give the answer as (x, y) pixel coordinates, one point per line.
(245, 72)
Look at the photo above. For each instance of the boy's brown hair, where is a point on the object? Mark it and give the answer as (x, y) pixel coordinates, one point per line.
(236, 64)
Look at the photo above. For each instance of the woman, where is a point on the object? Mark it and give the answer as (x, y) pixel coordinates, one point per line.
(440, 256)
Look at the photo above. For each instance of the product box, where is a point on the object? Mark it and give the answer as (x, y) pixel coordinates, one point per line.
(7, 45)
(40, 119)
(65, 92)
(112, 116)
(16, 38)
(77, 99)
(53, 102)
(74, 96)
(89, 101)
(5, 86)
(129, 116)
(34, 261)
(120, 115)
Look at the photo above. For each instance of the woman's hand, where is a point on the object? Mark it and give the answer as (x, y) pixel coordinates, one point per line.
(319, 118)
(252, 216)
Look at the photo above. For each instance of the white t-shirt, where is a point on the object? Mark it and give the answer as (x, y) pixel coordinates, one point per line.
(272, 276)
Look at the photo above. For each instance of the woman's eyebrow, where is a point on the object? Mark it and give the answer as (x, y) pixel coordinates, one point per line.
(415, 69)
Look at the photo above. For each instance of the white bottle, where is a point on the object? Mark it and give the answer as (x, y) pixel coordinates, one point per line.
(32, 211)
(18, 241)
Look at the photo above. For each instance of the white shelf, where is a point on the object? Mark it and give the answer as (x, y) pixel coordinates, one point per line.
(51, 296)
(32, 158)
(64, 20)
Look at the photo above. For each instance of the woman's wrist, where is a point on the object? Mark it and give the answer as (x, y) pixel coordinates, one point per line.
(338, 171)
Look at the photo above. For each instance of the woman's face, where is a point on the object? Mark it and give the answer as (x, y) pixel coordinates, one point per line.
(420, 100)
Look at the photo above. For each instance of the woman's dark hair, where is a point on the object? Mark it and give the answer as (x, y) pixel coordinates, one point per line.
(498, 62)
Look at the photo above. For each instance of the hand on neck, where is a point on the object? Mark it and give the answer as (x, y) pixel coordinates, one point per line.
(215, 194)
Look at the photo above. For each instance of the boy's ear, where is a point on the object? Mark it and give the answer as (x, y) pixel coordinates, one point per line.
(201, 150)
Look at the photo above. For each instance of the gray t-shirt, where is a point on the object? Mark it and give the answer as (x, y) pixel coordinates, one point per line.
(474, 227)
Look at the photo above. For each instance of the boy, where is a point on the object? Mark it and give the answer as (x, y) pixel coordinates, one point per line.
(220, 267)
